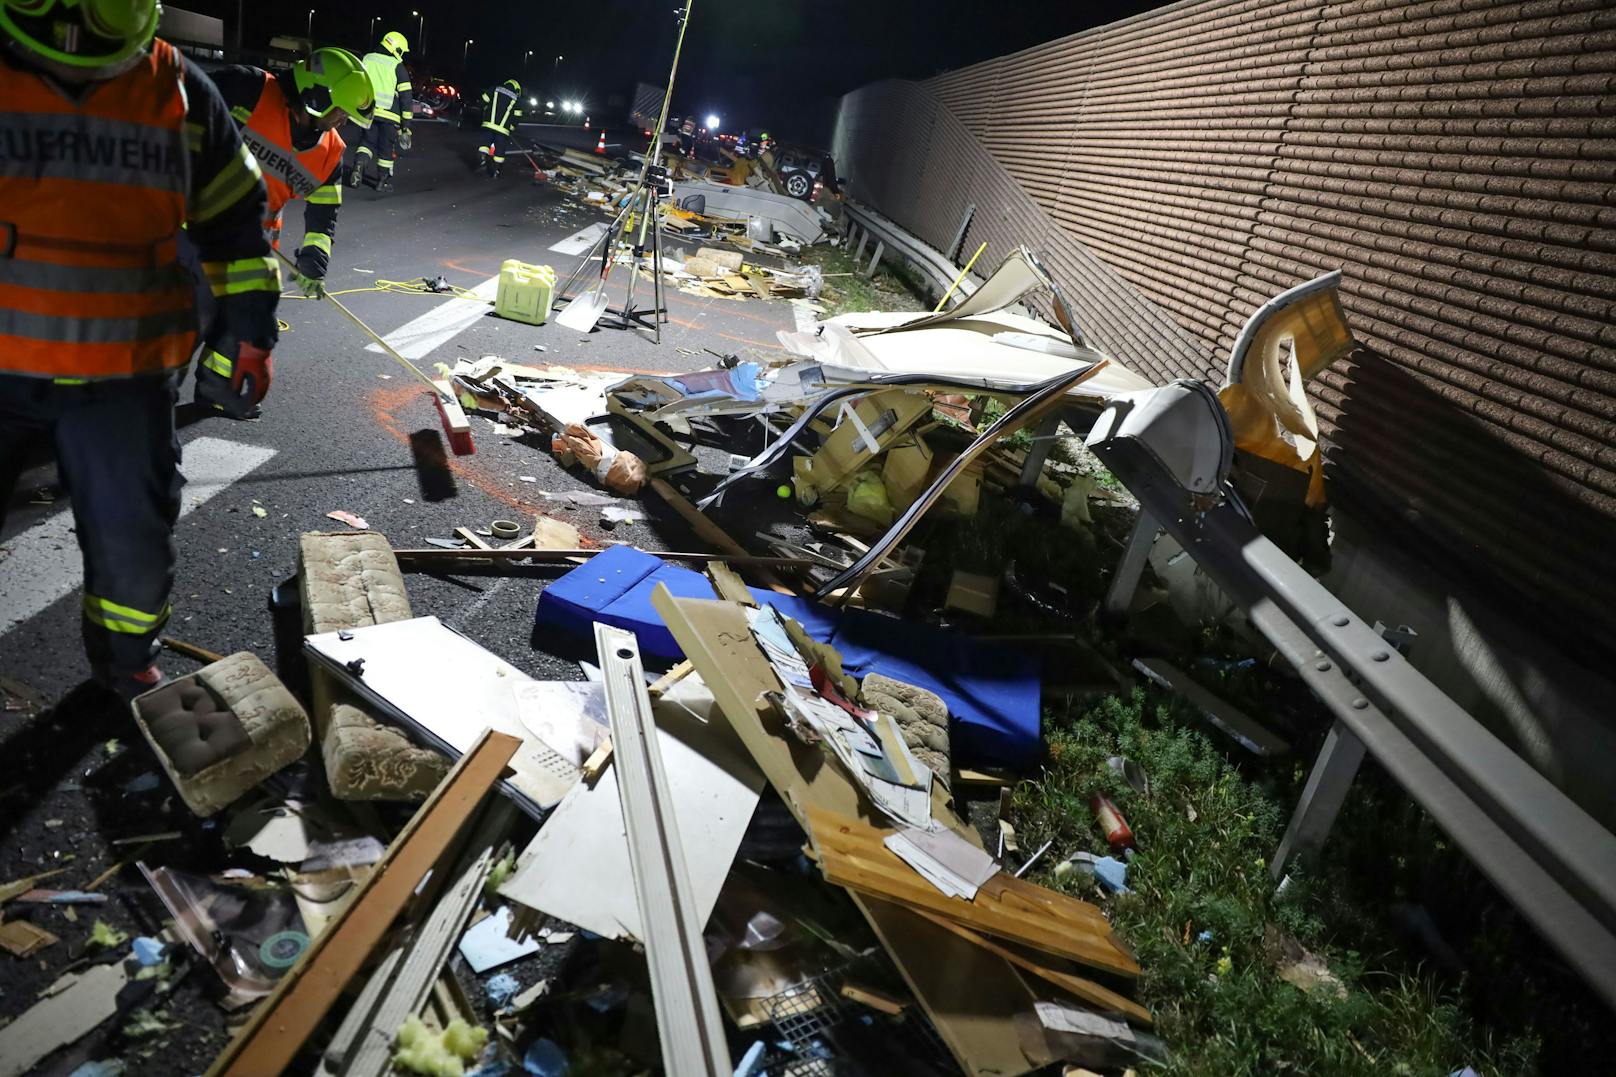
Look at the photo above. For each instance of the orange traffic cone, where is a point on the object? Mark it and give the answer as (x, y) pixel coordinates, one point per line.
(600, 146)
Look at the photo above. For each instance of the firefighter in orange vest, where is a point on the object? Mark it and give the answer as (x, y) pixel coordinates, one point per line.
(289, 122)
(110, 141)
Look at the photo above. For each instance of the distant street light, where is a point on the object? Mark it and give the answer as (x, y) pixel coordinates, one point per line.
(525, 60)
(550, 105)
(420, 32)
(712, 122)
(555, 67)
(311, 23)
(465, 52)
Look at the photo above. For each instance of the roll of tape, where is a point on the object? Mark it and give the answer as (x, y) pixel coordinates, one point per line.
(282, 949)
(505, 529)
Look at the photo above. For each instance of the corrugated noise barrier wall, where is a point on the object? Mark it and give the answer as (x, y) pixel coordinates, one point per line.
(1456, 159)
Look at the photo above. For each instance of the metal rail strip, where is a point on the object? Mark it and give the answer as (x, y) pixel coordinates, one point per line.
(688, 1022)
(865, 223)
(1548, 856)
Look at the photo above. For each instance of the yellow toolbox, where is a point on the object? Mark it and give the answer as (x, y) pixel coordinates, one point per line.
(525, 292)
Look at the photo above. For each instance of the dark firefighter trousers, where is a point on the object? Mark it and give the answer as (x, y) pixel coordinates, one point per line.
(380, 144)
(118, 456)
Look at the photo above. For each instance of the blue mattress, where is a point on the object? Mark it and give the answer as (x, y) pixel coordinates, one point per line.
(992, 690)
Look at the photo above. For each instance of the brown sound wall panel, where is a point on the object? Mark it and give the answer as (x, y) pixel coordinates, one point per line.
(1456, 159)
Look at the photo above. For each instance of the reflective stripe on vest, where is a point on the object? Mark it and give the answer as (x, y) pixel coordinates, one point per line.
(92, 197)
(383, 68)
(500, 107)
(288, 172)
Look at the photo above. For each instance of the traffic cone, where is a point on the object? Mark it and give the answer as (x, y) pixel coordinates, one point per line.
(600, 145)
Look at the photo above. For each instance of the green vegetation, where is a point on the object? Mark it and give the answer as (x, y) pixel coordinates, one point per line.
(847, 290)
(1205, 833)
(1437, 971)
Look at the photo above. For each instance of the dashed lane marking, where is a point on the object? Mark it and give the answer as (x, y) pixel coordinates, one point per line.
(441, 324)
(42, 564)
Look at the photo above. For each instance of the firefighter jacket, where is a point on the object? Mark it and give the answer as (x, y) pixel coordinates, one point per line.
(391, 81)
(500, 109)
(95, 183)
(306, 166)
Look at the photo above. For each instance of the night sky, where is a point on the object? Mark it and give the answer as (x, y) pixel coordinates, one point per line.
(771, 63)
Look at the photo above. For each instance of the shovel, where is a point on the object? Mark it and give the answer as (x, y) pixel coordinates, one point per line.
(584, 310)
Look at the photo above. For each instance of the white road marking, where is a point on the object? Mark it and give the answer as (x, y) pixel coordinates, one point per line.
(42, 564)
(442, 323)
(579, 242)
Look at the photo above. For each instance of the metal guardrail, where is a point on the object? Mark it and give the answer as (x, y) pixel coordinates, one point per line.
(890, 237)
(1550, 858)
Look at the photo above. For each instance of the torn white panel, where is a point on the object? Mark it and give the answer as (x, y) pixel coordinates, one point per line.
(789, 216)
(61, 1019)
(580, 242)
(442, 686)
(577, 868)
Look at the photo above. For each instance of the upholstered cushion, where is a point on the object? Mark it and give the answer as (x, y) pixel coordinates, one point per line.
(222, 730)
(193, 728)
(350, 580)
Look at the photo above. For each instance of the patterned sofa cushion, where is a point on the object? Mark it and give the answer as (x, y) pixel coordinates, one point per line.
(350, 579)
(222, 730)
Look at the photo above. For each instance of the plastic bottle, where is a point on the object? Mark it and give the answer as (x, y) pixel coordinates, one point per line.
(1111, 821)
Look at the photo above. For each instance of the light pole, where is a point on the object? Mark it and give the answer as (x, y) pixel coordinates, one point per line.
(373, 20)
(420, 32)
(311, 24)
(466, 52)
(554, 68)
(525, 60)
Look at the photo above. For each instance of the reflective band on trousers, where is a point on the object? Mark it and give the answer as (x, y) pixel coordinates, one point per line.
(219, 363)
(116, 618)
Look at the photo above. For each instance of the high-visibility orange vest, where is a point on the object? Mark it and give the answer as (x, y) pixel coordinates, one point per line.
(92, 196)
(288, 172)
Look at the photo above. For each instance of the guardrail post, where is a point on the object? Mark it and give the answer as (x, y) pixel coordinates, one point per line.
(1125, 581)
(864, 237)
(875, 260)
(1322, 797)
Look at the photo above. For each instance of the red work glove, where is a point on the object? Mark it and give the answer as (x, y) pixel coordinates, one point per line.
(254, 371)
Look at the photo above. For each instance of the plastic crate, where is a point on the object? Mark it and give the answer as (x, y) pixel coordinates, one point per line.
(525, 292)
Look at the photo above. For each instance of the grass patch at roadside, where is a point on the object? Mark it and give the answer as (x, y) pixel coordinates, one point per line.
(1203, 922)
(847, 290)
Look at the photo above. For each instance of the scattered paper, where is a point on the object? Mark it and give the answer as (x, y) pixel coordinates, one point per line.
(259, 511)
(1066, 1019)
(946, 860)
(346, 517)
(568, 716)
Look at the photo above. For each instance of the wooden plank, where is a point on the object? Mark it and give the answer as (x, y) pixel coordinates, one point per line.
(851, 855)
(285, 1020)
(710, 532)
(476, 540)
(1087, 990)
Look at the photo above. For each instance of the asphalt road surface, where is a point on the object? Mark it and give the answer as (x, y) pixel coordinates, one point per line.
(335, 434)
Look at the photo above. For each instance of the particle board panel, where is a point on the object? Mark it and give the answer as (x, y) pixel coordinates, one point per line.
(971, 996)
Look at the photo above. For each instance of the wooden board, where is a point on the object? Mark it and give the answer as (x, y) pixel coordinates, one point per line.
(285, 1020)
(851, 854)
(1087, 990)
